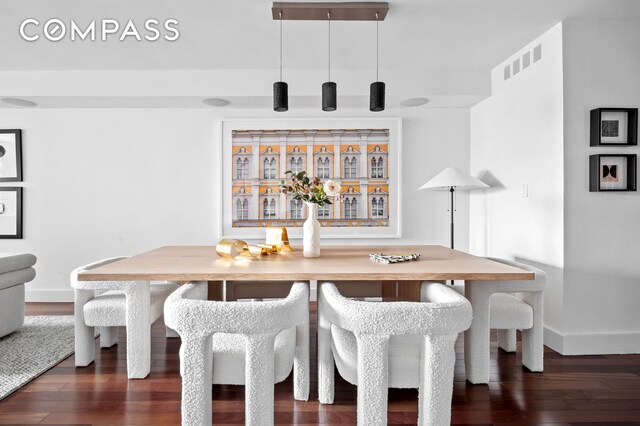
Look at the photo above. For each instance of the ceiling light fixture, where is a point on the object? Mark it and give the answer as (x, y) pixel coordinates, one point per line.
(376, 90)
(19, 102)
(280, 88)
(414, 102)
(340, 11)
(329, 88)
(216, 102)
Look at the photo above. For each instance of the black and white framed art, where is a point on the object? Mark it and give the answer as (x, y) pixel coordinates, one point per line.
(614, 127)
(10, 155)
(10, 212)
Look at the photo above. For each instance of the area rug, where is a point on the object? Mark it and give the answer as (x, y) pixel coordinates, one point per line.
(41, 343)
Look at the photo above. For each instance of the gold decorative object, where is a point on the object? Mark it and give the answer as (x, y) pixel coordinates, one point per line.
(279, 238)
(234, 248)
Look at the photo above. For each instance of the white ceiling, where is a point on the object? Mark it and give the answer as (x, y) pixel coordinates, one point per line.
(458, 40)
(239, 34)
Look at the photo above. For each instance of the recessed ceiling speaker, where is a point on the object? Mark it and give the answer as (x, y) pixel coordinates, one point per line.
(414, 102)
(216, 102)
(19, 102)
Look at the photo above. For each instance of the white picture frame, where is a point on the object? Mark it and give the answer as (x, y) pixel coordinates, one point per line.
(393, 211)
(613, 173)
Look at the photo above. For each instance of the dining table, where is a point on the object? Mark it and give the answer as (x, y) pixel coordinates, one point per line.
(349, 266)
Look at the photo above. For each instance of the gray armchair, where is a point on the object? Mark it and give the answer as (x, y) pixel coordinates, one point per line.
(15, 271)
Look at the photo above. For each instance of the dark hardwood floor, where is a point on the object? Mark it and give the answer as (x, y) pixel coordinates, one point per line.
(572, 390)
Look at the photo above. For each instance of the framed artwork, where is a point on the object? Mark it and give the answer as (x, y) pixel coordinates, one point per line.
(10, 155)
(612, 172)
(362, 154)
(614, 127)
(10, 213)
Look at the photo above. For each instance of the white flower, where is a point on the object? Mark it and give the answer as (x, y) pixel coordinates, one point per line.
(332, 188)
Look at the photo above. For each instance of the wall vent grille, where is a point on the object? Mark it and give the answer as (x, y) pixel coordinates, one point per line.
(522, 63)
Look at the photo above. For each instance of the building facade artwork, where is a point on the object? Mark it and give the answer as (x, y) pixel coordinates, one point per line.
(357, 158)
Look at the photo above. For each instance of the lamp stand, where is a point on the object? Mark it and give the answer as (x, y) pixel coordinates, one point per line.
(451, 193)
(452, 179)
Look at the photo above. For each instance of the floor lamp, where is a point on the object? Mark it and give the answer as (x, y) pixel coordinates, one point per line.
(452, 179)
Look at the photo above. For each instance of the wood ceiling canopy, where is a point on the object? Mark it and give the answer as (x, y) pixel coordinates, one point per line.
(349, 11)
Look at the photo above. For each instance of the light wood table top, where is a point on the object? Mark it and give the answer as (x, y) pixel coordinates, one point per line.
(339, 263)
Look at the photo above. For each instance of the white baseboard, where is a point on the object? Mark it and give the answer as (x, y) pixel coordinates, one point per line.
(553, 339)
(592, 343)
(49, 295)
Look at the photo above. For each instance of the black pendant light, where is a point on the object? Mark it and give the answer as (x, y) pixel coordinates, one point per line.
(376, 90)
(280, 88)
(329, 88)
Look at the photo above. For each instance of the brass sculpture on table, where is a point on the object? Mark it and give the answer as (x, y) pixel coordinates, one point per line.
(277, 240)
(278, 237)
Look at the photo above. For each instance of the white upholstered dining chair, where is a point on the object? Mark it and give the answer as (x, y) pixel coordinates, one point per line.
(112, 304)
(381, 345)
(255, 344)
(506, 306)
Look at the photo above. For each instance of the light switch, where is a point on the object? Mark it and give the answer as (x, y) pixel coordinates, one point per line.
(525, 190)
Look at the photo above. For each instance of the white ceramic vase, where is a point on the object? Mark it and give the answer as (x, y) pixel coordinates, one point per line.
(311, 232)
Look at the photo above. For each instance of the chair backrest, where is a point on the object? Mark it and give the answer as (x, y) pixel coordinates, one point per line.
(445, 312)
(188, 311)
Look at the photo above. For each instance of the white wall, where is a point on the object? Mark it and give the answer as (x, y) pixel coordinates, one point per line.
(602, 230)
(535, 129)
(516, 140)
(107, 182)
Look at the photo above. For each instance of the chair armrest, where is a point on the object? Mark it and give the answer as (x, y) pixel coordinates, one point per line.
(186, 314)
(98, 285)
(516, 286)
(448, 313)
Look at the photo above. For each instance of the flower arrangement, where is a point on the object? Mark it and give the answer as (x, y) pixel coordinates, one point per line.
(310, 190)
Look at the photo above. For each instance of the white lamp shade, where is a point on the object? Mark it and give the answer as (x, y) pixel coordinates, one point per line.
(453, 177)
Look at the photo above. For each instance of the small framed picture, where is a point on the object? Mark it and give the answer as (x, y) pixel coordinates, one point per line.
(614, 126)
(10, 155)
(612, 172)
(10, 213)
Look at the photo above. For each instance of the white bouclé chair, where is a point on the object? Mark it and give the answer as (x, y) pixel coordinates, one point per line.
(251, 343)
(111, 304)
(495, 306)
(381, 345)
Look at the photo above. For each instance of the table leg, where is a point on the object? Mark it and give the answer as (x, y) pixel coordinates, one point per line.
(408, 291)
(138, 330)
(215, 290)
(360, 289)
(389, 290)
(476, 338)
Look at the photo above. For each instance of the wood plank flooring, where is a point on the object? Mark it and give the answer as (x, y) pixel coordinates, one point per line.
(571, 391)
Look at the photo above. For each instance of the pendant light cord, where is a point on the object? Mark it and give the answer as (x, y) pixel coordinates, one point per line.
(329, 18)
(280, 45)
(377, 45)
